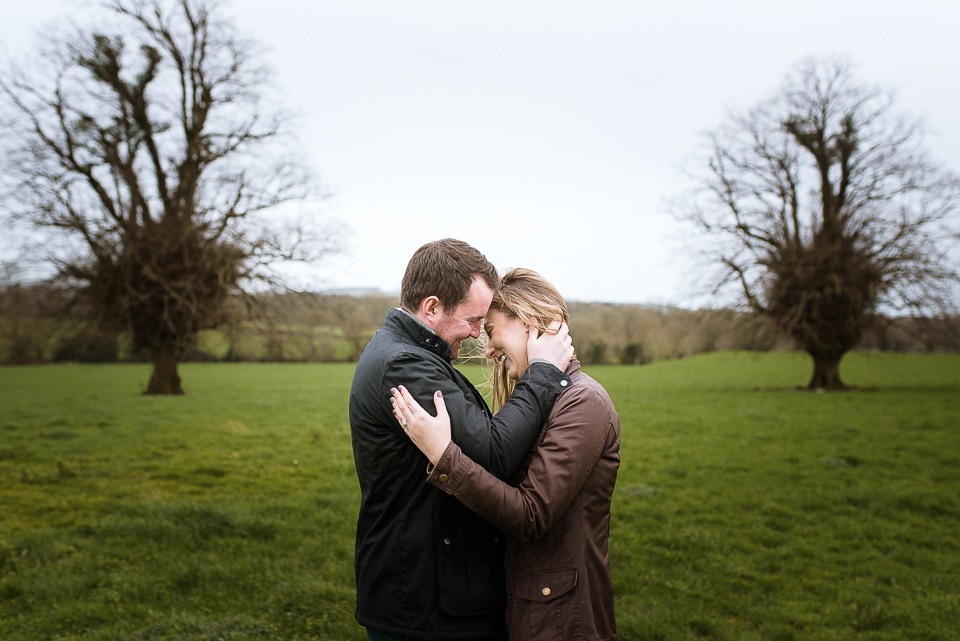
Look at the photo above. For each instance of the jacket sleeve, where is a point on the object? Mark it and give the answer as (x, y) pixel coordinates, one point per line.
(572, 443)
(497, 444)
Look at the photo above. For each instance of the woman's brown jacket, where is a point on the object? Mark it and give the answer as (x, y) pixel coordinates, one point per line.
(556, 514)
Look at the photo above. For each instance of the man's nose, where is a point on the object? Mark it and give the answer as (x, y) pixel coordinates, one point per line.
(475, 329)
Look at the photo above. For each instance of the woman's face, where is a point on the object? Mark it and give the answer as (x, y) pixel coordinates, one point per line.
(507, 342)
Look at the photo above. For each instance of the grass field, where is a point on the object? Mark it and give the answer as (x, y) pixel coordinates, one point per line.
(744, 508)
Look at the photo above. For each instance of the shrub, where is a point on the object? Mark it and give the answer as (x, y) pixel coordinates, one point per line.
(632, 353)
(596, 352)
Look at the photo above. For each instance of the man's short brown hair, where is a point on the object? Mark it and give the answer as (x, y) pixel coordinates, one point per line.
(445, 269)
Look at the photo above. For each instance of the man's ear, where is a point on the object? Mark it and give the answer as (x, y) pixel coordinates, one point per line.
(429, 309)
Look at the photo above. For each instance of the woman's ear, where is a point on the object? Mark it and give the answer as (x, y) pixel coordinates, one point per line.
(557, 322)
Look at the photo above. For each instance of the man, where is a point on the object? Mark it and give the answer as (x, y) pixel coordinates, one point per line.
(427, 567)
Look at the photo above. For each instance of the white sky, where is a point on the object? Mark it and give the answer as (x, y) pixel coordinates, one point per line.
(547, 133)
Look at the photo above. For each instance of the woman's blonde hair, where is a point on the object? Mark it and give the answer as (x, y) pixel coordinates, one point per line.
(524, 294)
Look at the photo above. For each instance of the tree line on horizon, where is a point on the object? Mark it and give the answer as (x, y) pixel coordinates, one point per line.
(42, 324)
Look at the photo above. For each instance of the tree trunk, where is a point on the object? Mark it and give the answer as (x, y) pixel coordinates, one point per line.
(826, 372)
(164, 379)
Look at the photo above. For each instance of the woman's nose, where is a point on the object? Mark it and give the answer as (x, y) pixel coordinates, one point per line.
(489, 352)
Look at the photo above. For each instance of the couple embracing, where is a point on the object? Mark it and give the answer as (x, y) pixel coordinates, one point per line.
(476, 524)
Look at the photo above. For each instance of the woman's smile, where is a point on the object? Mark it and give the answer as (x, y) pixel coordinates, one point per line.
(507, 342)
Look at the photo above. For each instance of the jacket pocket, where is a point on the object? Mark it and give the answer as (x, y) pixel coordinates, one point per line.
(545, 605)
(470, 577)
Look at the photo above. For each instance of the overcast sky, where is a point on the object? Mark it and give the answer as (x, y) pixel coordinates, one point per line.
(548, 133)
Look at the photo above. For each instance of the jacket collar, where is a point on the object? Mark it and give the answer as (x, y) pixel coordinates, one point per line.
(409, 327)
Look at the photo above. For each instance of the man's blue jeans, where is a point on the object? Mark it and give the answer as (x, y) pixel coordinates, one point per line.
(377, 636)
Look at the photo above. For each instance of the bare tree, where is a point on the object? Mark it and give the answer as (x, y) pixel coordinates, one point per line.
(820, 207)
(152, 156)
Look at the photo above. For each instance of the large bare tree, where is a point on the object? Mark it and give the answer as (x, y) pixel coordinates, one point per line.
(821, 208)
(150, 156)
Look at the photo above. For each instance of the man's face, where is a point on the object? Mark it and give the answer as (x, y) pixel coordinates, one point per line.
(466, 318)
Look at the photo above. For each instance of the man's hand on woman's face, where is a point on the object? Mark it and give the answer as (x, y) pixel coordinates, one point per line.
(554, 345)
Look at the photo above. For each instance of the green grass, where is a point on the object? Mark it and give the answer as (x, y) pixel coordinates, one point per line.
(777, 514)
(228, 513)
(744, 508)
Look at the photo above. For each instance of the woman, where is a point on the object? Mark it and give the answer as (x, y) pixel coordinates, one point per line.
(556, 511)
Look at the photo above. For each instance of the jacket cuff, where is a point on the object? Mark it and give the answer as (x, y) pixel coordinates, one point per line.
(448, 471)
(545, 375)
